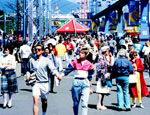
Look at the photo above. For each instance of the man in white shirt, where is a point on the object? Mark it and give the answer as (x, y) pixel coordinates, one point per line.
(24, 52)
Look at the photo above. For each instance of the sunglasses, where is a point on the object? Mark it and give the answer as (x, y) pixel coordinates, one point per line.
(134, 55)
(37, 49)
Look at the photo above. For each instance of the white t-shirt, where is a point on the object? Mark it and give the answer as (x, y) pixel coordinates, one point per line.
(25, 51)
(146, 50)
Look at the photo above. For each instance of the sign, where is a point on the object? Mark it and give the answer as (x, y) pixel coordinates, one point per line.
(144, 19)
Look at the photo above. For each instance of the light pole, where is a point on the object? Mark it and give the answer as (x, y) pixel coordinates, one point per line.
(24, 24)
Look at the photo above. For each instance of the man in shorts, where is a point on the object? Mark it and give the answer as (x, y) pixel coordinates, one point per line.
(41, 66)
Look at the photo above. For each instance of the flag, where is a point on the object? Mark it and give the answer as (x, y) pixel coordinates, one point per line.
(102, 25)
(94, 26)
(113, 20)
(90, 25)
(133, 13)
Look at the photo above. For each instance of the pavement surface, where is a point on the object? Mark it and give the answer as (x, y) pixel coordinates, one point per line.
(60, 102)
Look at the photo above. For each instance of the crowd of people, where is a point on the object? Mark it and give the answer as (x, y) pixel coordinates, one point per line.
(99, 57)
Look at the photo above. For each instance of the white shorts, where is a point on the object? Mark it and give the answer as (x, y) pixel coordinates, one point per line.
(41, 89)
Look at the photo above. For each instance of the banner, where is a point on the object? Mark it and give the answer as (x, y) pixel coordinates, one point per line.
(94, 26)
(90, 25)
(113, 21)
(133, 13)
(102, 24)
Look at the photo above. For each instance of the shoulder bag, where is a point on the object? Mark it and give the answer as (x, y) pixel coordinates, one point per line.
(132, 78)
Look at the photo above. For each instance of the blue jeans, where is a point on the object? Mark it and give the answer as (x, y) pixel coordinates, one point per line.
(123, 92)
(80, 90)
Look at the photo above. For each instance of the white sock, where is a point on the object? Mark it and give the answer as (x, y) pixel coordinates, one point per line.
(43, 113)
(5, 99)
(10, 100)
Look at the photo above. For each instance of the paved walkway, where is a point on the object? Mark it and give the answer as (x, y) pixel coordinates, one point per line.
(60, 103)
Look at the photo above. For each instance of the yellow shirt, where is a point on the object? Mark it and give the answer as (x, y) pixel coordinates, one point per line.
(61, 50)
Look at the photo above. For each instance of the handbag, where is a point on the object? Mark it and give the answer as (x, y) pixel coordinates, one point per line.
(132, 78)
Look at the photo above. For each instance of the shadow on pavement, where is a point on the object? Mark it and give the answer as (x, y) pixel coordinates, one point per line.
(114, 90)
(28, 90)
(94, 84)
(1, 105)
(92, 106)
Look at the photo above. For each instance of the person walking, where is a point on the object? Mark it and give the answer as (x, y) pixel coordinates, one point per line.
(82, 84)
(146, 51)
(8, 78)
(121, 70)
(139, 90)
(42, 67)
(24, 52)
(61, 50)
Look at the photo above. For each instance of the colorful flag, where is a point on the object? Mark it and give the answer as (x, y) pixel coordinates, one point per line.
(133, 13)
(102, 24)
(94, 26)
(113, 21)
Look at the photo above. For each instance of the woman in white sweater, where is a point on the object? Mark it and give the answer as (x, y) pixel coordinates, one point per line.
(8, 78)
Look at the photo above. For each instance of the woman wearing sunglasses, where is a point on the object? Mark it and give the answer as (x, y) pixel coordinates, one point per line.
(8, 78)
(138, 90)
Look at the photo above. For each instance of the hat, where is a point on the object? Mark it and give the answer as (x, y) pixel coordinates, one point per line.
(122, 52)
(130, 44)
(104, 48)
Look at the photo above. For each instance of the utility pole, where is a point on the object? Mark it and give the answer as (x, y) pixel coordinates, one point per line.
(43, 17)
(40, 18)
(50, 17)
(24, 24)
(30, 18)
(37, 18)
(47, 17)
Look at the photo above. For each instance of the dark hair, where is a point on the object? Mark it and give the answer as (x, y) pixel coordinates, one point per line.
(7, 48)
(132, 53)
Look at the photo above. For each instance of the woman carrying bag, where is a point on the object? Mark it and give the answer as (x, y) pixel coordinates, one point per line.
(140, 89)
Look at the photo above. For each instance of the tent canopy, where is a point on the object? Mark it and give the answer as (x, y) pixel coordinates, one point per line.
(72, 27)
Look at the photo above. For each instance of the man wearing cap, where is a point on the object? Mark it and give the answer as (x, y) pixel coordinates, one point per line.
(130, 46)
(121, 70)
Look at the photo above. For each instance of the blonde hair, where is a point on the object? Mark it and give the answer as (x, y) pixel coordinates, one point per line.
(147, 43)
(85, 50)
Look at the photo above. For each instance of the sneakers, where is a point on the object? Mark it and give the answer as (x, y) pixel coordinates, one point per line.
(134, 105)
(141, 106)
(101, 107)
